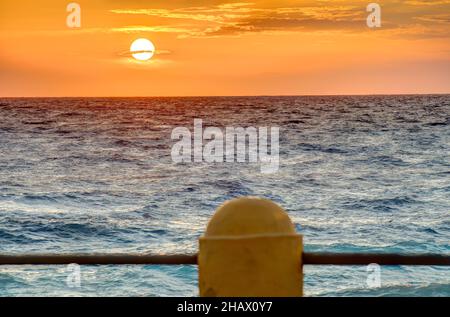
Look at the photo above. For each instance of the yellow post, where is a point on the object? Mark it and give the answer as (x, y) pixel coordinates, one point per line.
(250, 249)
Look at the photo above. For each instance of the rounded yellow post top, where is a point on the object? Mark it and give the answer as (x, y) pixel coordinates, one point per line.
(249, 216)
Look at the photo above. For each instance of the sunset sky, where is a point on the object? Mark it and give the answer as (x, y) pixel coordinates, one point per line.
(283, 47)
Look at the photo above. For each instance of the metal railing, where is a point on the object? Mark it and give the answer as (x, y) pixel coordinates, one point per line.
(226, 263)
(308, 258)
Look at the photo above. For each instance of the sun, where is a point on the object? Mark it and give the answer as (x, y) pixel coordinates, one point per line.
(142, 49)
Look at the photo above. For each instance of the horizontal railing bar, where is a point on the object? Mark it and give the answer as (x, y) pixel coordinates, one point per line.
(98, 259)
(309, 258)
(378, 258)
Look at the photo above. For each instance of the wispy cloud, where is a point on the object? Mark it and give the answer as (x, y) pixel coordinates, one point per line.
(427, 2)
(238, 18)
(153, 29)
(235, 19)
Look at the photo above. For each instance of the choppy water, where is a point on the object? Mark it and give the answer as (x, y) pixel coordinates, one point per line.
(91, 175)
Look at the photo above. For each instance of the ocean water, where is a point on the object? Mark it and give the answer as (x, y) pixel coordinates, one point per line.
(357, 174)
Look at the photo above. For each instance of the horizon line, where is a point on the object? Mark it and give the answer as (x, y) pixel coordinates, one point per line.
(233, 96)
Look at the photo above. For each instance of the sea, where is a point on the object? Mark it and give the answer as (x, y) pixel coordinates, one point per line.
(91, 175)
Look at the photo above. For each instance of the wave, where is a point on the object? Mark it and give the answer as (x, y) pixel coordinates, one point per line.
(425, 290)
(321, 148)
(437, 124)
(404, 247)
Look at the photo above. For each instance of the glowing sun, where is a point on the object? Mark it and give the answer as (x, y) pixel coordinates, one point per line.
(142, 49)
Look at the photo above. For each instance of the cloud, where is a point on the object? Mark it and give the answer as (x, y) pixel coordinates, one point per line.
(427, 3)
(153, 29)
(171, 14)
(236, 19)
(435, 18)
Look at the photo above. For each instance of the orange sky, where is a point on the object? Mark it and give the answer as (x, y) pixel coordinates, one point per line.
(283, 47)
